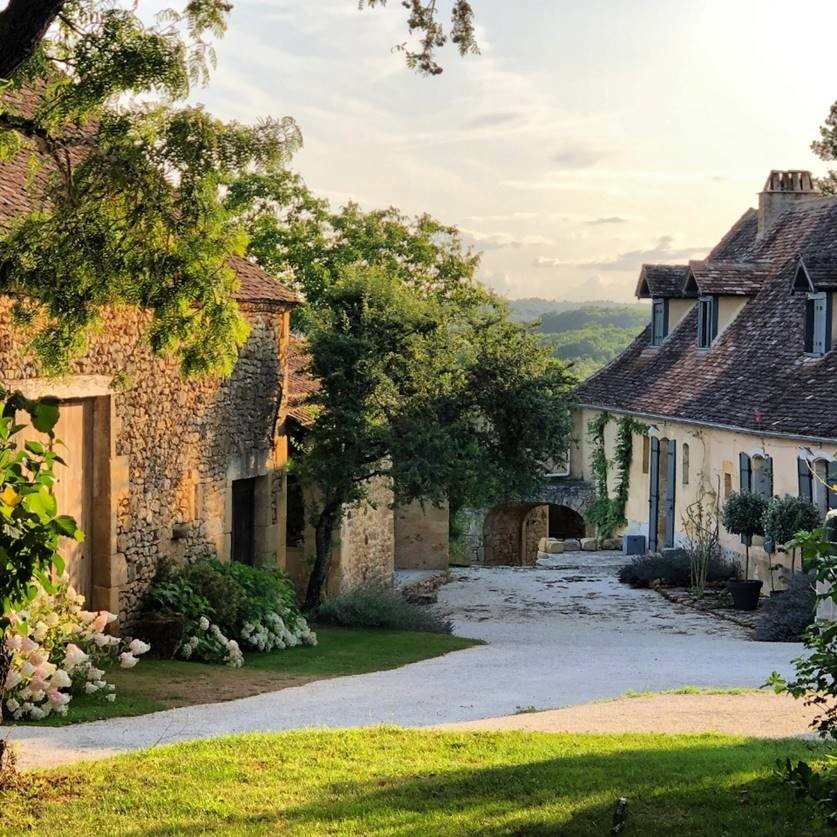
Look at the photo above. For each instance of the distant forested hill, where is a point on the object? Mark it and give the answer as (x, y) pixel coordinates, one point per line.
(587, 335)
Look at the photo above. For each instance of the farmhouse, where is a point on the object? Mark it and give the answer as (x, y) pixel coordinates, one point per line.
(733, 375)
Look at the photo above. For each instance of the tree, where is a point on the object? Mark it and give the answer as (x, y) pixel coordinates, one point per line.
(826, 149)
(125, 206)
(785, 516)
(441, 399)
(24, 25)
(742, 514)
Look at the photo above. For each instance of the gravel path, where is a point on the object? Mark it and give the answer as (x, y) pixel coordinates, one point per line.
(563, 633)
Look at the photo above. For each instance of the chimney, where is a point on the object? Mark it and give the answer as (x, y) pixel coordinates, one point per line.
(781, 190)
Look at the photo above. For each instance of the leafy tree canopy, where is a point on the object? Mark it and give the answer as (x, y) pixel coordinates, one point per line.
(444, 397)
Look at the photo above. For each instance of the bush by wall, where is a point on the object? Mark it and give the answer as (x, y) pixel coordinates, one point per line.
(673, 571)
(227, 606)
(785, 617)
(59, 650)
(372, 607)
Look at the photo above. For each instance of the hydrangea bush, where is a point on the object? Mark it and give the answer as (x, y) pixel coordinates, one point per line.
(228, 607)
(59, 650)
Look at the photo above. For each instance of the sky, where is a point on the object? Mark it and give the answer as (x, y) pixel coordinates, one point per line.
(588, 137)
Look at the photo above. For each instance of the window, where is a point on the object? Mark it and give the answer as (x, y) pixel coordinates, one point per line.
(815, 481)
(646, 454)
(659, 321)
(685, 465)
(818, 324)
(727, 485)
(707, 321)
(756, 474)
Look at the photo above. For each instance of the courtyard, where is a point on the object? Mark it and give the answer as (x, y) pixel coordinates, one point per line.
(561, 634)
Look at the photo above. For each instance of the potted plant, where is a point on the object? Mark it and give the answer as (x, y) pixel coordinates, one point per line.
(743, 514)
(785, 516)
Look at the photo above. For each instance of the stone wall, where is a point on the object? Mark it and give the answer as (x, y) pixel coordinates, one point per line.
(422, 536)
(168, 449)
(511, 534)
(365, 552)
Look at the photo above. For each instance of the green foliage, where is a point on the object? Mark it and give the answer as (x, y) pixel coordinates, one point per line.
(743, 513)
(608, 513)
(238, 599)
(30, 523)
(815, 679)
(785, 516)
(375, 607)
(785, 617)
(586, 337)
(126, 201)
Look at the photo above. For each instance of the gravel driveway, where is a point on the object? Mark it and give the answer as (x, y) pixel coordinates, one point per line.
(563, 633)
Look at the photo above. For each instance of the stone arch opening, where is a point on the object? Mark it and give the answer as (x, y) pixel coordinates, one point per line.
(565, 522)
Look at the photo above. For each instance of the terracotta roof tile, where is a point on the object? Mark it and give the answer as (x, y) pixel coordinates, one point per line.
(729, 278)
(301, 383)
(755, 375)
(661, 280)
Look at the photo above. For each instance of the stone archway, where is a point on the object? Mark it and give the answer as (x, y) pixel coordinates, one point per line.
(565, 522)
(510, 534)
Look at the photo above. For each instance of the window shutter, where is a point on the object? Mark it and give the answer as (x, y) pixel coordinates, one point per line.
(746, 482)
(665, 318)
(768, 476)
(806, 480)
(654, 494)
(671, 488)
(829, 301)
(832, 479)
(819, 324)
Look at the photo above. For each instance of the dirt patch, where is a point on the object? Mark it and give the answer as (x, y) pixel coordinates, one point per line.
(756, 714)
(218, 684)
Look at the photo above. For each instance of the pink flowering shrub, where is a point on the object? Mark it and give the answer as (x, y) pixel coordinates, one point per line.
(59, 650)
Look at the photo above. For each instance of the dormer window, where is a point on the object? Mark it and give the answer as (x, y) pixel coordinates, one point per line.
(659, 321)
(707, 321)
(817, 324)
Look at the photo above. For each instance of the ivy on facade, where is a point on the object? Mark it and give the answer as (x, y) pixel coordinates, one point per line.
(608, 512)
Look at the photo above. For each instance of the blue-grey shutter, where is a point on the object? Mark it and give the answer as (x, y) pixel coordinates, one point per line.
(746, 480)
(806, 480)
(808, 346)
(820, 324)
(665, 318)
(671, 487)
(654, 494)
(768, 476)
(832, 480)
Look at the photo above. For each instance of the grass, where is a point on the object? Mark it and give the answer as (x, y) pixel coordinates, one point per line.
(689, 690)
(384, 781)
(165, 684)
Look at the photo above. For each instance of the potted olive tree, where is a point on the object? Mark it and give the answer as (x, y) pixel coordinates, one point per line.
(785, 516)
(742, 514)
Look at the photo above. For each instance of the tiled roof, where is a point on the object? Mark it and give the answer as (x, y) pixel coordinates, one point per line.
(821, 270)
(728, 278)
(661, 280)
(256, 285)
(755, 375)
(301, 383)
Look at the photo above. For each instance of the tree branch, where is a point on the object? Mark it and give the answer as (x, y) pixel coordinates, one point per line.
(23, 24)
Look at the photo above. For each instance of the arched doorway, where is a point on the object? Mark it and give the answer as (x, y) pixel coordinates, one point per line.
(565, 522)
(511, 532)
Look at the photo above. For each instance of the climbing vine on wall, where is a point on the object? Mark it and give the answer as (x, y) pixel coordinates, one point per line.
(607, 513)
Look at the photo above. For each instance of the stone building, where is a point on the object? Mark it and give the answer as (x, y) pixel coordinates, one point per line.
(733, 375)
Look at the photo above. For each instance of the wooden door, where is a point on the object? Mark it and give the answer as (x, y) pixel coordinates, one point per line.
(74, 486)
(671, 491)
(244, 521)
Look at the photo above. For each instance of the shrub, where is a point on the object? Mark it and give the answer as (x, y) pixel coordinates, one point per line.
(785, 516)
(743, 514)
(673, 571)
(226, 605)
(60, 650)
(372, 607)
(785, 617)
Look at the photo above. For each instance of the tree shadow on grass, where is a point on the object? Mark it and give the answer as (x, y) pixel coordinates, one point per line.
(701, 789)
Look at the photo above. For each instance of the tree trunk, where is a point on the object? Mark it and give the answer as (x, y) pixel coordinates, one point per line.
(323, 535)
(23, 24)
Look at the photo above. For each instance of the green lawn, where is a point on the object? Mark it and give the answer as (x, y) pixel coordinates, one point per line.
(164, 684)
(385, 781)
